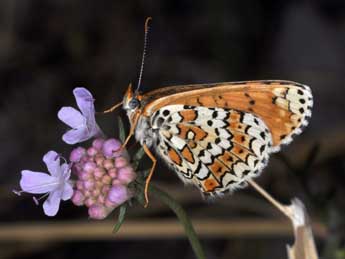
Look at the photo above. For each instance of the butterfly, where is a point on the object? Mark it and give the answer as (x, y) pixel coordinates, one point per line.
(217, 136)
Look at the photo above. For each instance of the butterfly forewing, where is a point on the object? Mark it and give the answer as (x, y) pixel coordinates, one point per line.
(217, 149)
(284, 106)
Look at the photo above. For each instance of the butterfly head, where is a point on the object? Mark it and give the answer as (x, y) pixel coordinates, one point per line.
(131, 101)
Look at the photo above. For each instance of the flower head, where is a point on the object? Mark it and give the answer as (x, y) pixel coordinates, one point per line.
(103, 173)
(55, 184)
(83, 123)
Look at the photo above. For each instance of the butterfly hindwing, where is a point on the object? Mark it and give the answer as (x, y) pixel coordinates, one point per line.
(217, 149)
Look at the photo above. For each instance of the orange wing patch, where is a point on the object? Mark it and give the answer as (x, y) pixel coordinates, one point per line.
(210, 184)
(191, 132)
(241, 139)
(174, 156)
(218, 169)
(188, 115)
(228, 159)
(240, 152)
(187, 155)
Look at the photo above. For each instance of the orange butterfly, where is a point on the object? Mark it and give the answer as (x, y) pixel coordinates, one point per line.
(217, 136)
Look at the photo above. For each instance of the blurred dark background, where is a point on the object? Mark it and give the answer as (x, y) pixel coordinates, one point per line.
(49, 47)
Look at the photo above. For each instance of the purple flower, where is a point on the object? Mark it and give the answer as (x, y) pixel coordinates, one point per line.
(56, 184)
(83, 124)
(104, 173)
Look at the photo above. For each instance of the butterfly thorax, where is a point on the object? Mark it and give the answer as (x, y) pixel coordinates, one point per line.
(145, 133)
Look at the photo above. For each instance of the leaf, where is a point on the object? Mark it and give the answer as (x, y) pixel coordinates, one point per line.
(139, 154)
(137, 157)
(140, 197)
(121, 218)
(138, 186)
(142, 175)
(122, 131)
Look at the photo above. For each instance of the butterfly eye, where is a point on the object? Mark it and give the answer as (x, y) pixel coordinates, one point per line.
(133, 103)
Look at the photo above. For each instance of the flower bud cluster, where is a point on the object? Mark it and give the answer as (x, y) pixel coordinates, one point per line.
(103, 173)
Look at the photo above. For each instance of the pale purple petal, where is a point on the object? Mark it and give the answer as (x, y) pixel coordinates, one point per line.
(83, 124)
(52, 161)
(52, 203)
(85, 101)
(74, 136)
(65, 171)
(37, 182)
(71, 117)
(67, 191)
(95, 130)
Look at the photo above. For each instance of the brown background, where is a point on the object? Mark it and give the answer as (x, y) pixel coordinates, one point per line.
(47, 48)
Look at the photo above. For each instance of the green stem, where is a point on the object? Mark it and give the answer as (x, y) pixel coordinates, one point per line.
(183, 218)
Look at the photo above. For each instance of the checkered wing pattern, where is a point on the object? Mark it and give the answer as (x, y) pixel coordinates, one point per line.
(217, 149)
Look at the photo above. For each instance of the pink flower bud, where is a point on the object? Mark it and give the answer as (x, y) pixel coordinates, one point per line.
(126, 175)
(99, 158)
(89, 202)
(116, 182)
(120, 162)
(80, 185)
(84, 159)
(89, 167)
(98, 143)
(91, 151)
(118, 194)
(100, 199)
(87, 193)
(109, 204)
(108, 163)
(97, 211)
(111, 146)
(106, 179)
(99, 172)
(99, 184)
(78, 198)
(77, 154)
(89, 184)
(96, 192)
(83, 175)
(105, 189)
(112, 172)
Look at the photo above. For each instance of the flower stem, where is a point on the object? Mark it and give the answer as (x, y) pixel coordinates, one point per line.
(183, 218)
(284, 209)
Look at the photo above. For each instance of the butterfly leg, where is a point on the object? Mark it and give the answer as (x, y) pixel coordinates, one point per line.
(131, 133)
(132, 130)
(113, 108)
(148, 179)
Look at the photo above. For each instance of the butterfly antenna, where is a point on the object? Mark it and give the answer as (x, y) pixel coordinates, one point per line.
(148, 19)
